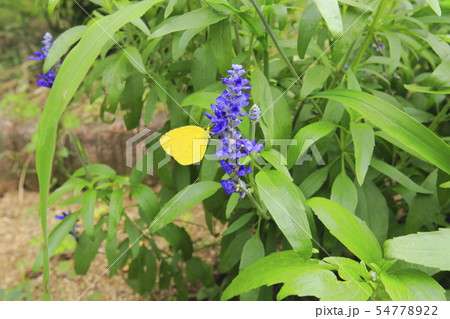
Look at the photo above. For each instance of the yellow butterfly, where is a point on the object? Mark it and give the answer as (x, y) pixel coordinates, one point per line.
(186, 144)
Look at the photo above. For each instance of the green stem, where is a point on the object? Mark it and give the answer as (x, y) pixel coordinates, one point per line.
(369, 35)
(255, 203)
(272, 36)
(46, 264)
(433, 126)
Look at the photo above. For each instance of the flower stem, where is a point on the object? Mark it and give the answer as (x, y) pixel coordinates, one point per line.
(272, 35)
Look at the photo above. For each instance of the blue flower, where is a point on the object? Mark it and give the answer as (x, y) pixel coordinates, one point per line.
(228, 110)
(48, 78)
(73, 231)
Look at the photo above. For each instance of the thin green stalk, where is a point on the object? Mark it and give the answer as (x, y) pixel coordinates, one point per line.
(272, 35)
(433, 126)
(369, 35)
(46, 264)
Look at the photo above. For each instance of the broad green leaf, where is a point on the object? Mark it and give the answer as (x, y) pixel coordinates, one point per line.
(63, 189)
(56, 237)
(282, 199)
(181, 40)
(169, 8)
(314, 181)
(183, 201)
(281, 13)
(398, 176)
(134, 234)
(87, 211)
(397, 124)
(262, 96)
(62, 44)
(96, 170)
(440, 77)
(147, 200)
(277, 160)
(363, 143)
(445, 185)
(429, 249)
(434, 4)
(329, 9)
(231, 254)
(253, 251)
(276, 268)
(314, 79)
(70, 75)
(324, 285)
(115, 212)
(203, 68)
(307, 136)
(395, 50)
(348, 229)
(86, 251)
(344, 193)
(348, 269)
(135, 58)
(308, 24)
(412, 285)
(372, 208)
(191, 20)
(203, 98)
(131, 100)
(236, 225)
(221, 45)
(282, 122)
(231, 204)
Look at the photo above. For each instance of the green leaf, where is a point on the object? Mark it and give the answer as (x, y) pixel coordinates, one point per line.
(372, 208)
(314, 181)
(135, 58)
(202, 98)
(276, 268)
(426, 89)
(348, 229)
(203, 68)
(86, 251)
(434, 4)
(348, 269)
(115, 212)
(412, 285)
(262, 96)
(344, 193)
(395, 50)
(441, 77)
(183, 201)
(307, 136)
(329, 9)
(51, 6)
(398, 176)
(134, 234)
(284, 203)
(169, 8)
(429, 249)
(70, 75)
(236, 225)
(191, 20)
(308, 24)
(277, 160)
(282, 122)
(56, 237)
(181, 40)
(324, 285)
(253, 251)
(147, 200)
(406, 132)
(363, 143)
(131, 100)
(142, 272)
(231, 204)
(231, 254)
(62, 44)
(87, 211)
(221, 45)
(314, 79)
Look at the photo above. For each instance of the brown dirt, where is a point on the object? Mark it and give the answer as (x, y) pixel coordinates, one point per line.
(20, 232)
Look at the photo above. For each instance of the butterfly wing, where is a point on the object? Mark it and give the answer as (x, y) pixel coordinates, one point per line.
(187, 144)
